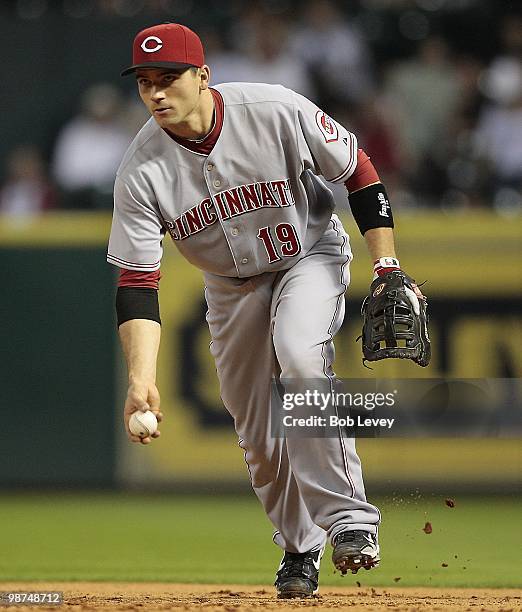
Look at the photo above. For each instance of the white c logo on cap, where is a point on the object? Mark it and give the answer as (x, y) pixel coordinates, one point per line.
(158, 41)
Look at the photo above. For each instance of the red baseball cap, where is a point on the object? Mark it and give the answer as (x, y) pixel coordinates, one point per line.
(168, 45)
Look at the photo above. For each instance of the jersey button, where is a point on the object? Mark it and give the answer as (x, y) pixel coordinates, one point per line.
(217, 183)
(244, 260)
(210, 167)
(234, 231)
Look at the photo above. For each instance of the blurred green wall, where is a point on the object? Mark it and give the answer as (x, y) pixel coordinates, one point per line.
(58, 357)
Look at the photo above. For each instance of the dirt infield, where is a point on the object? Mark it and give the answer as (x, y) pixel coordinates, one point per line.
(238, 598)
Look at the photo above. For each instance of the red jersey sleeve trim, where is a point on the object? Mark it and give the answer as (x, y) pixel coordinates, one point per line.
(364, 175)
(131, 278)
(351, 162)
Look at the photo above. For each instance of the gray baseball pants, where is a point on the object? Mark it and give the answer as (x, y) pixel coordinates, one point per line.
(283, 323)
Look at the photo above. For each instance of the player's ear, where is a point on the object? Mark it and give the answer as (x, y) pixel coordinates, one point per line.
(204, 77)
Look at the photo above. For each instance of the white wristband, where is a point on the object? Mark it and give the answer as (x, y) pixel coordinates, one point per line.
(386, 262)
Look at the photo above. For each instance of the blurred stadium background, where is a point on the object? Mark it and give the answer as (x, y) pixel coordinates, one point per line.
(432, 88)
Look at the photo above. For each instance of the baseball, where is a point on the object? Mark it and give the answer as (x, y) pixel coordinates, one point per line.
(143, 424)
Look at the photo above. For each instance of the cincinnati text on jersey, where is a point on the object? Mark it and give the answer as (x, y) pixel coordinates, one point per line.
(231, 203)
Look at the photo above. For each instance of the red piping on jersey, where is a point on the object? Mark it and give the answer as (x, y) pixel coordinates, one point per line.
(349, 165)
(207, 144)
(131, 278)
(123, 262)
(364, 175)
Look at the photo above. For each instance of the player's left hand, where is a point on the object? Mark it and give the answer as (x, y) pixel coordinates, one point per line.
(389, 330)
(388, 264)
(414, 294)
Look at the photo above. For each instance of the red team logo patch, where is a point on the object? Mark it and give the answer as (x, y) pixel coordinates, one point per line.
(327, 126)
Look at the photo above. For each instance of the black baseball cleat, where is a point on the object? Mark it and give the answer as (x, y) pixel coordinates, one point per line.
(298, 574)
(355, 549)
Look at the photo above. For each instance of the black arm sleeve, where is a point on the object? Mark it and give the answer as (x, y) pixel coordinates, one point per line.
(371, 208)
(137, 303)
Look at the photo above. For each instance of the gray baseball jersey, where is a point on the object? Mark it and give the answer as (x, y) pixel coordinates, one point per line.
(260, 224)
(246, 208)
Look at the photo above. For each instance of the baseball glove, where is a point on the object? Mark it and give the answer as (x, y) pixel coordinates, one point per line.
(395, 321)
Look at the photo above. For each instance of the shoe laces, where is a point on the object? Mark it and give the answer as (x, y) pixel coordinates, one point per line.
(294, 564)
(347, 537)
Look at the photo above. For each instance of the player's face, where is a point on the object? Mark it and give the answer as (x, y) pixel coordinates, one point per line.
(171, 96)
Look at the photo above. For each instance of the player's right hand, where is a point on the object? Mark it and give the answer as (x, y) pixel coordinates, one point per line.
(142, 396)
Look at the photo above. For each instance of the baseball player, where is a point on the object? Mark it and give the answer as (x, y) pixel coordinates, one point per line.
(231, 172)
